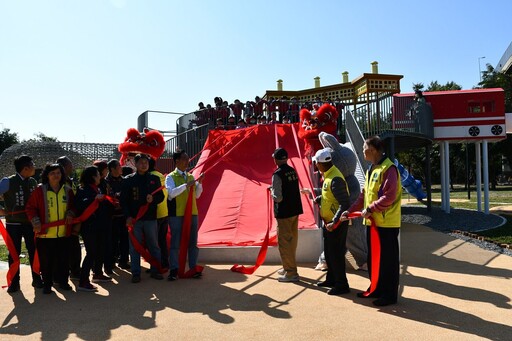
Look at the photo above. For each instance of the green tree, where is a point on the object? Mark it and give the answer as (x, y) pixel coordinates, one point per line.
(41, 137)
(493, 79)
(7, 139)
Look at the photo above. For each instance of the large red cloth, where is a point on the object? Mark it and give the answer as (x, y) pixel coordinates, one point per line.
(238, 168)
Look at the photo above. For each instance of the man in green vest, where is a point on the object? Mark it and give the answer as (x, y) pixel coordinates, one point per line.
(381, 200)
(179, 183)
(287, 207)
(16, 190)
(334, 199)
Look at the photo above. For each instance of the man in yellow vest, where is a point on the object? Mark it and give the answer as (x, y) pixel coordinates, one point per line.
(162, 219)
(334, 199)
(179, 183)
(381, 200)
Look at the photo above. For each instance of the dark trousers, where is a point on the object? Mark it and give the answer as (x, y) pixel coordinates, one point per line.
(94, 245)
(389, 258)
(335, 249)
(75, 255)
(163, 229)
(54, 260)
(16, 232)
(120, 244)
(108, 253)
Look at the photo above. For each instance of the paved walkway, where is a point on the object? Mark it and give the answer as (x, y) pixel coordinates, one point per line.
(450, 290)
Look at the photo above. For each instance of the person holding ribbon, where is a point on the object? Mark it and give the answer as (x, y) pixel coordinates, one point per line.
(16, 191)
(179, 185)
(93, 228)
(380, 200)
(50, 209)
(140, 194)
(334, 199)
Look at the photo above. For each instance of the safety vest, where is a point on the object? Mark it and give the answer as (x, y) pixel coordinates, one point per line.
(56, 205)
(16, 198)
(161, 208)
(177, 204)
(392, 216)
(328, 204)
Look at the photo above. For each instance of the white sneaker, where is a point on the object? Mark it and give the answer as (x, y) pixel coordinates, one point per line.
(284, 278)
(281, 272)
(321, 266)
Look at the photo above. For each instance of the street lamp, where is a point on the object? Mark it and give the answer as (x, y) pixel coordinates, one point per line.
(479, 69)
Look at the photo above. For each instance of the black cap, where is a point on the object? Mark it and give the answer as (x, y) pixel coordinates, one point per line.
(280, 154)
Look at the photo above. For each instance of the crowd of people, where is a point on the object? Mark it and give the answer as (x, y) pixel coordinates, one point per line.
(119, 213)
(237, 115)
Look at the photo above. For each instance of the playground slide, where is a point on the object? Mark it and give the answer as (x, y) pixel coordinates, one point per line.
(411, 185)
(238, 168)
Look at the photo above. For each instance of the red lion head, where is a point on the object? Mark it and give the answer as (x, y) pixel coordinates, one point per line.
(149, 142)
(313, 122)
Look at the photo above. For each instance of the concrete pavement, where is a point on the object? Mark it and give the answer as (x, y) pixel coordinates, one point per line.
(450, 289)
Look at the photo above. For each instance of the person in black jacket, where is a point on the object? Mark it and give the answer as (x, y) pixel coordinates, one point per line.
(287, 207)
(139, 189)
(120, 244)
(93, 229)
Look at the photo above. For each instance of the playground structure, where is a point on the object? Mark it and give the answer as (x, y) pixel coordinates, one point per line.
(373, 105)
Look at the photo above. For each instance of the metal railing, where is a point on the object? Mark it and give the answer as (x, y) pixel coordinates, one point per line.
(191, 140)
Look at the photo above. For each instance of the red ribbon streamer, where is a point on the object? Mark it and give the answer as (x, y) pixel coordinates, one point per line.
(14, 267)
(249, 270)
(375, 251)
(86, 214)
(141, 250)
(185, 239)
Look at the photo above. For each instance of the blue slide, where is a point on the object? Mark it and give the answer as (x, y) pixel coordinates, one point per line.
(411, 185)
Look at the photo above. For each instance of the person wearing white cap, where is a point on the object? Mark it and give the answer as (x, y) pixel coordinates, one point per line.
(287, 207)
(333, 198)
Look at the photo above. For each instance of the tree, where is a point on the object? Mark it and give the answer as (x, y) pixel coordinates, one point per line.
(435, 86)
(7, 139)
(493, 79)
(41, 137)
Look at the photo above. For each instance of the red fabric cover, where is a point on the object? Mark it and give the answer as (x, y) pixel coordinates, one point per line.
(238, 168)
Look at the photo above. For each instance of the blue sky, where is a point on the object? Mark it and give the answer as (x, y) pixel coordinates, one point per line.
(84, 70)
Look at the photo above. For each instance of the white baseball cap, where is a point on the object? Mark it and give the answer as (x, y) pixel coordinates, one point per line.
(323, 155)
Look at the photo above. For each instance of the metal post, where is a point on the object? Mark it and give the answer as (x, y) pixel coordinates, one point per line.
(486, 176)
(478, 178)
(447, 175)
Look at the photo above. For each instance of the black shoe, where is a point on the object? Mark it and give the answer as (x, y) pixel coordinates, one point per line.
(338, 291)
(197, 275)
(325, 284)
(109, 271)
(135, 279)
(381, 302)
(65, 286)
(13, 288)
(47, 290)
(37, 283)
(156, 275)
(148, 271)
(173, 275)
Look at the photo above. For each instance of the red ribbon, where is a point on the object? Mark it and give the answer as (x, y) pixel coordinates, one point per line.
(141, 250)
(185, 239)
(86, 214)
(375, 254)
(14, 267)
(249, 270)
